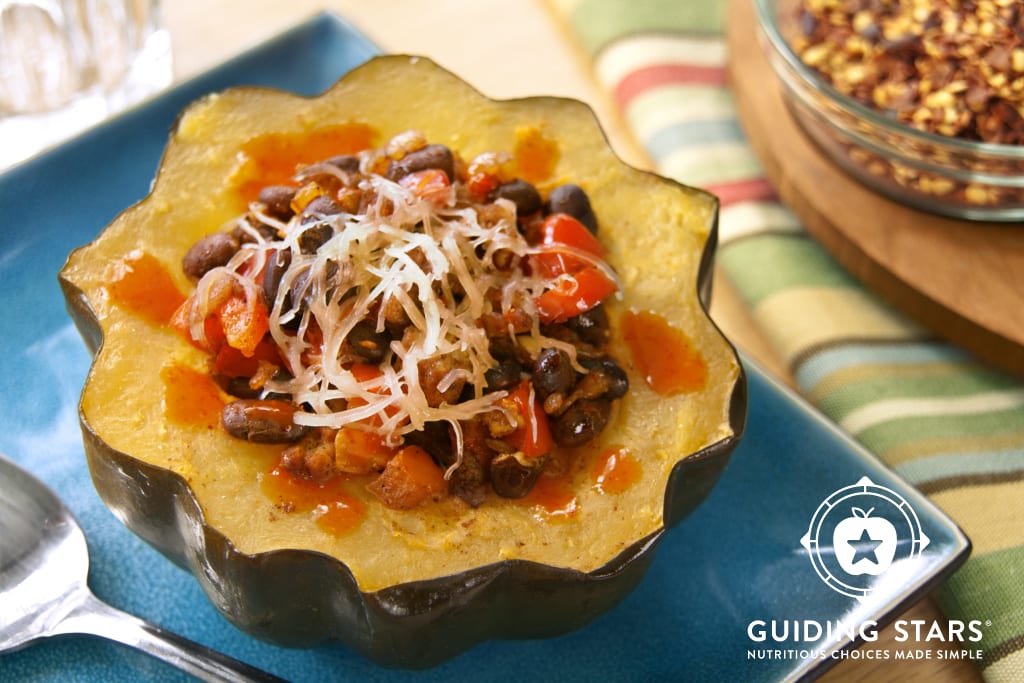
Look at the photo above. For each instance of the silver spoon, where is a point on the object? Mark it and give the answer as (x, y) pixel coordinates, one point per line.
(44, 566)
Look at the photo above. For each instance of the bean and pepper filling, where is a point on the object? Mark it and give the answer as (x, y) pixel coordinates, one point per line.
(403, 313)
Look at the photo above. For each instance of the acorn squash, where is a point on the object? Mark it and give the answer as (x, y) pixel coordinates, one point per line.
(404, 587)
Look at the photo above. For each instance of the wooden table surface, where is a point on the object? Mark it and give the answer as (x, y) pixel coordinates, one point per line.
(506, 50)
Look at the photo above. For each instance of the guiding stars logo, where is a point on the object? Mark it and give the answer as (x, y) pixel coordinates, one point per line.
(858, 532)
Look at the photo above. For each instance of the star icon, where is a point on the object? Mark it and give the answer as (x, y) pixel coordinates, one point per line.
(865, 548)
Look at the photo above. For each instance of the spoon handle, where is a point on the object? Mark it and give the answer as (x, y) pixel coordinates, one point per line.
(90, 615)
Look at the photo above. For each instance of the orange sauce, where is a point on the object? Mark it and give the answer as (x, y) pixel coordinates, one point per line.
(663, 354)
(341, 516)
(272, 159)
(139, 283)
(191, 397)
(335, 509)
(615, 470)
(553, 497)
(535, 155)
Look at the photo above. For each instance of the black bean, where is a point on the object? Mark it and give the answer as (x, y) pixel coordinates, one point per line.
(321, 206)
(468, 482)
(503, 347)
(514, 477)
(262, 421)
(267, 232)
(583, 421)
(278, 200)
(521, 193)
(305, 288)
(314, 236)
(367, 342)
(316, 231)
(553, 372)
(345, 162)
(335, 279)
(208, 253)
(591, 326)
(238, 387)
(300, 292)
(431, 156)
(504, 375)
(573, 200)
(277, 264)
(614, 377)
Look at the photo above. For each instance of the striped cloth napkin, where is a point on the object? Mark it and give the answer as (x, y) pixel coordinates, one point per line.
(941, 420)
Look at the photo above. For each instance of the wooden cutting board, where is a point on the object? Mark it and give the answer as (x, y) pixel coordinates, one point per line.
(964, 280)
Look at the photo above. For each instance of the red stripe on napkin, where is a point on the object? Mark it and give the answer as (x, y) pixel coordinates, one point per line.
(648, 77)
(734, 192)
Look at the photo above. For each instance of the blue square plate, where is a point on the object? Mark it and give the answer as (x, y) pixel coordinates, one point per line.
(738, 560)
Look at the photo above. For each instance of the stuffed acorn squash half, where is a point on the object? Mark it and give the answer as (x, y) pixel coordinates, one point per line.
(403, 366)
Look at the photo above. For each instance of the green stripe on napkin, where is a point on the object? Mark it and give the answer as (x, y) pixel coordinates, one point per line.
(599, 22)
(746, 260)
(949, 425)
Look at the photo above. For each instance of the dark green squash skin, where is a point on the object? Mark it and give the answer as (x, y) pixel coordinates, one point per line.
(299, 598)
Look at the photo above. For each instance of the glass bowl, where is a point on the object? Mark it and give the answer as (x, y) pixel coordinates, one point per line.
(937, 173)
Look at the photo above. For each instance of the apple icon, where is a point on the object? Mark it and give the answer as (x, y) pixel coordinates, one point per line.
(864, 544)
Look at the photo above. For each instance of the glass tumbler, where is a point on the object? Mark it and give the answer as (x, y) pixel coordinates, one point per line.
(68, 64)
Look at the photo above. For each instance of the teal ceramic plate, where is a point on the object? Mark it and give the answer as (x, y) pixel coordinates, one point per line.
(736, 563)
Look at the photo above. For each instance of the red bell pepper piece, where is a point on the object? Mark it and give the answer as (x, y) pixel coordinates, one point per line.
(562, 229)
(534, 438)
(574, 294)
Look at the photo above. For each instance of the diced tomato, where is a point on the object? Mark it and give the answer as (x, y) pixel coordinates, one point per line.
(534, 438)
(563, 229)
(574, 294)
(211, 326)
(244, 323)
(431, 185)
(231, 362)
(480, 185)
(230, 317)
(180, 317)
(364, 372)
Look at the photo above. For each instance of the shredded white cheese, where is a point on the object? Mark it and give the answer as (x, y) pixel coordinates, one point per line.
(438, 262)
